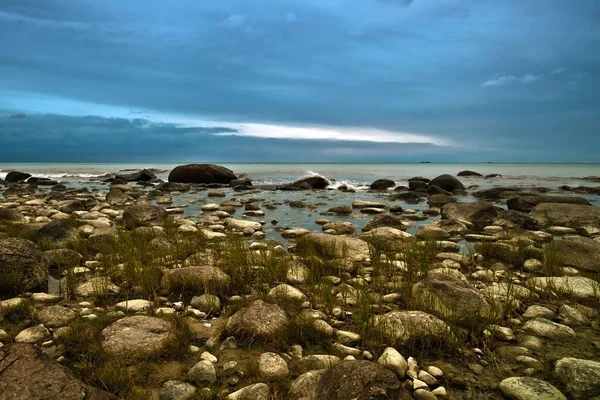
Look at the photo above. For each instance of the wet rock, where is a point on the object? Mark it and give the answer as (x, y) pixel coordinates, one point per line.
(195, 278)
(340, 210)
(580, 378)
(57, 232)
(144, 175)
(258, 321)
(16, 176)
(511, 219)
(440, 200)
(22, 265)
(382, 184)
(386, 220)
(525, 388)
(144, 215)
(547, 329)
(116, 197)
(241, 225)
(447, 182)
(569, 215)
(527, 203)
(56, 316)
(417, 185)
(203, 371)
(340, 227)
(137, 336)
(359, 379)
(431, 232)
(310, 182)
(349, 248)
(479, 213)
(469, 173)
(201, 173)
(29, 374)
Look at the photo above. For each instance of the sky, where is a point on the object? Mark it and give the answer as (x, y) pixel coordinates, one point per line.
(300, 80)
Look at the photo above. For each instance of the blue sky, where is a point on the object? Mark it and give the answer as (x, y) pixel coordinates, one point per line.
(292, 80)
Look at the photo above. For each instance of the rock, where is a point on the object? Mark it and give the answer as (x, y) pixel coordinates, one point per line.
(581, 288)
(310, 182)
(386, 220)
(272, 367)
(392, 360)
(174, 187)
(62, 258)
(386, 238)
(424, 394)
(22, 265)
(241, 225)
(246, 183)
(479, 213)
(144, 215)
(580, 378)
(317, 361)
(32, 335)
(97, 286)
(527, 203)
(579, 252)
(340, 227)
(176, 390)
(360, 204)
(469, 173)
(340, 210)
(431, 190)
(511, 219)
(453, 226)
(450, 298)
(201, 173)
(287, 292)
(569, 215)
(440, 200)
(116, 197)
(203, 371)
(10, 215)
(417, 185)
(207, 303)
(258, 321)
(525, 388)
(70, 206)
(382, 184)
(195, 278)
(536, 311)
(349, 248)
(405, 326)
(305, 385)
(258, 391)
(27, 373)
(359, 379)
(447, 182)
(547, 329)
(137, 336)
(56, 316)
(134, 306)
(144, 175)
(431, 232)
(57, 232)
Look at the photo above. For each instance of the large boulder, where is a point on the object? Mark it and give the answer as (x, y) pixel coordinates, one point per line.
(569, 215)
(579, 287)
(55, 316)
(527, 203)
(144, 175)
(382, 184)
(144, 215)
(116, 197)
(469, 173)
(57, 232)
(346, 247)
(10, 215)
(479, 213)
(398, 327)
(310, 182)
(580, 378)
(201, 173)
(258, 321)
(526, 388)
(359, 379)
(22, 265)
(16, 176)
(579, 252)
(137, 336)
(447, 182)
(27, 373)
(511, 219)
(450, 298)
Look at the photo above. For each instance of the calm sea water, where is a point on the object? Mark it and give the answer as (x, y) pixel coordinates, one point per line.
(552, 175)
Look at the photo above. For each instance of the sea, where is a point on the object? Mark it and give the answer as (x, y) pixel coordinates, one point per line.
(356, 175)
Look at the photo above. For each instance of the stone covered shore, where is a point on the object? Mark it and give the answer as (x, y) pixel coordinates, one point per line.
(113, 293)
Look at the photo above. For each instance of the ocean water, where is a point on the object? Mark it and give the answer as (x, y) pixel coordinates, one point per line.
(358, 176)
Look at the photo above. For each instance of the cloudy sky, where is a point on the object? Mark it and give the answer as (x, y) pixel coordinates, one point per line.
(300, 80)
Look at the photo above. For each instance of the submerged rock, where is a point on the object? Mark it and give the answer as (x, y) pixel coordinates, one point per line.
(201, 173)
(527, 203)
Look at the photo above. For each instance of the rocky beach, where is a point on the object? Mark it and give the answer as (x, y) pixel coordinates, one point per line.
(199, 282)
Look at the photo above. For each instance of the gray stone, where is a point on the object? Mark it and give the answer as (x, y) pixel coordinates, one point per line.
(548, 329)
(580, 378)
(56, 316)
(176, 390)
(137, 336)
(525, 388)
(203, 371)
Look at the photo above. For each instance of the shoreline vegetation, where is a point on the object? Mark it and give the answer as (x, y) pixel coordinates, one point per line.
(113, 293)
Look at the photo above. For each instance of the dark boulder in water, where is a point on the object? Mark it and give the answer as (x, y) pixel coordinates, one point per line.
(527, 203)
(310, 182)
(417, 185)
(419, 178)
(174, 187)
(479, 213)
(16, 176)
(468, 173)
(497, 193)
(382, 184)
(433, 189)
(511, 219)
(201, 173)
(447, 182)
(144, 175)
(240, 182)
